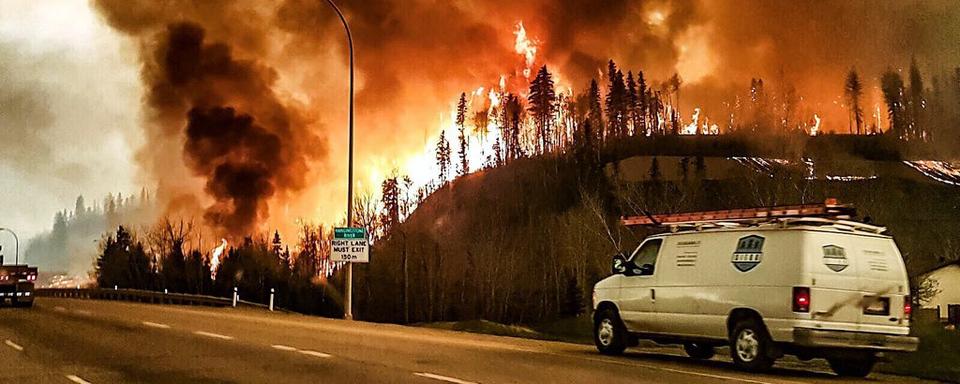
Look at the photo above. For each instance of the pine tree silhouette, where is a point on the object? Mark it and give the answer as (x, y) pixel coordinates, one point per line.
(443, 158)
(853, 89)
(542, 106)
(461, 129)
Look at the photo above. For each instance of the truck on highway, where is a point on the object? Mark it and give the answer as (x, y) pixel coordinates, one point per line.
(16, 284)
(804, 280)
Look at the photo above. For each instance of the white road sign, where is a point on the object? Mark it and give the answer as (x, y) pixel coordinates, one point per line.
(350, 244)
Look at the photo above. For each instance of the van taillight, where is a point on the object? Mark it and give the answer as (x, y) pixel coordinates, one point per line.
(907, 306)
(801, 299)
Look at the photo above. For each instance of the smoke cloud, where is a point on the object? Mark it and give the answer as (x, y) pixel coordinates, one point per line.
(229, 79)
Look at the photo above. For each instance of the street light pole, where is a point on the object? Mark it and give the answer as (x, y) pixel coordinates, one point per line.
(17, 241)
(348, 302)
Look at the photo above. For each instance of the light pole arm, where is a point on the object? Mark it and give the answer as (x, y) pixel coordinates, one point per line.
(17, 242)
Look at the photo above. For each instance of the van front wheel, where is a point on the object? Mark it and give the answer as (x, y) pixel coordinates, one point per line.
(852, 367)
(750, 346)
(609, 333)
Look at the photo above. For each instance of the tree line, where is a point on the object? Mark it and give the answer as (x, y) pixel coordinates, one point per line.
(172, 257)
(547, 121)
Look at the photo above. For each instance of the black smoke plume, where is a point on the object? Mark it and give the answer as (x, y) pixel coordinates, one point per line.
(239, 137)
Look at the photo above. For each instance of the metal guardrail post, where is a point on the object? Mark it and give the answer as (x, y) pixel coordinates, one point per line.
(271, 299)
(236, 296)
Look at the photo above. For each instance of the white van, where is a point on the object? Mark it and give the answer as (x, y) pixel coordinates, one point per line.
(809, 287)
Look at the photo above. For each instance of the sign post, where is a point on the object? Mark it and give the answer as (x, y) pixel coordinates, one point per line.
(350, 246)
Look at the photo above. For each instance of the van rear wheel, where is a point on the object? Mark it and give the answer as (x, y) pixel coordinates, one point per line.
(852, 367)
(699, 351)
(609, 333)
(750, 346)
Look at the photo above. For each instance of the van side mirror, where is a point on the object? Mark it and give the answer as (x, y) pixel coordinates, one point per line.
(619, 264)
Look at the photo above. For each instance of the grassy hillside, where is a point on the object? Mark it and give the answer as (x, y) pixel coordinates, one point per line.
(524, 243)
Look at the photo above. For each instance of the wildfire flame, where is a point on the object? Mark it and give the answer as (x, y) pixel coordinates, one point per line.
(941, 171)
(815, 129)
(691, 129)
(526, 47)
(215, 258)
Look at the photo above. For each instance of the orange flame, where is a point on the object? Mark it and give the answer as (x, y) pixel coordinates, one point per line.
(526, 47)
(815, 129)
(215, 258)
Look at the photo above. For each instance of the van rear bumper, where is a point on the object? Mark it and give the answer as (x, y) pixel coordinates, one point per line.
(858, 340)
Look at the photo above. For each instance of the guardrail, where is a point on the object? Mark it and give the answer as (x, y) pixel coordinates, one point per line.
(143, 296)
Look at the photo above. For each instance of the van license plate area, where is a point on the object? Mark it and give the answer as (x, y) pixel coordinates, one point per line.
(878, 306)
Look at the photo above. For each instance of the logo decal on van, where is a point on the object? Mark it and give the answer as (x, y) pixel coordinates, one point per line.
(835, 257)
(749, 253)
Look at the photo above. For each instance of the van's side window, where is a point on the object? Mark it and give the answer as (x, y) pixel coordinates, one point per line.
(646, 257)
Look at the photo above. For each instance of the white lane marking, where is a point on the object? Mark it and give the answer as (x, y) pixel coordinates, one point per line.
(77, 379)
(13, 345)
(283, 347)
(314, 353)
(59, 309)
(443, 378)
(83, 312)
(156, 325)
(213, 335)
(686, 372)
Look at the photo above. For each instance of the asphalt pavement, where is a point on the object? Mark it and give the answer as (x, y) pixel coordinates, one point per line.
(91, 341)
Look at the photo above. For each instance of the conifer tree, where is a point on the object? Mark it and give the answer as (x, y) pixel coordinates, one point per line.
(853, 89)
(390, 217)
(542, 107)
(916, 104)
(443, 158)
(512, 111)
(633, 104)
(616, 101)
(461, 129)
(655, 170)
(642, 105)
(595, 114)
(892, 86)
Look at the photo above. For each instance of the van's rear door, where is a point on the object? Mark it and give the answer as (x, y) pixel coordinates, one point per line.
(860, 281)
(883, 281)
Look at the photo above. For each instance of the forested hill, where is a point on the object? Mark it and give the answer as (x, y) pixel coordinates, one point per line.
(525, 242)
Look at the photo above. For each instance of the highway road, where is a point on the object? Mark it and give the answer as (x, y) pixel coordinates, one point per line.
(90, 341)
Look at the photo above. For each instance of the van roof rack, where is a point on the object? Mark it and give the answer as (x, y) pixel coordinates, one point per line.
(830, 212)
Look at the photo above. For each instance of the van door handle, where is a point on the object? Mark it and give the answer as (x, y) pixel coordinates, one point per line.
(653, 294)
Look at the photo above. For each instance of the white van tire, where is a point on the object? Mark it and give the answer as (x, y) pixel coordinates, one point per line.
(699, 351)
(609, 333)
(852, 367)
(750, 345)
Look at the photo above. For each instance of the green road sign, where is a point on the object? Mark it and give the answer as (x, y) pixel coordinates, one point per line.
(349, 233)
(350, 244)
